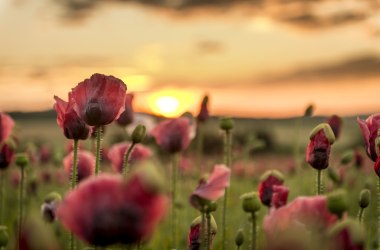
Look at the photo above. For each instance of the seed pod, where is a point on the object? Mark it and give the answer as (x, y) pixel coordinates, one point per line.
(251, 202)
(226, 123)
(337, 202)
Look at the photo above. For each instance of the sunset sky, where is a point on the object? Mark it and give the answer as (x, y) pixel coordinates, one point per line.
(253, 58)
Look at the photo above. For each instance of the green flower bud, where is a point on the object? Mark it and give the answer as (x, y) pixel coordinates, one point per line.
(21, 160)
(4, 238)
(337, 202)
(333, 175)
(364, 198)
(309, 111)
(251, 202)
(53, 196)
(138, 134)
(347, 157)
(327, 130)
(226, 123)
(239, 238)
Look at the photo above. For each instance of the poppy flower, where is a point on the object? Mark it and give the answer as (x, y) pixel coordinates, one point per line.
(279, 196)
(203, 112)
(72, 125)
(173, 135)
(126, 117)
(85, 167)
(45, 154)
(194, 236)
(108, 209)
(319, 147)
(347, 235)
(6, 156)
(268, 180)
(116, 154)
(6, 126)
(358, 159)
(369, 129)
(213, 188)
(335, 123)
(99, 100)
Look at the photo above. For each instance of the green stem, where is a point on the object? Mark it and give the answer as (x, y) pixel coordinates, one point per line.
(227, 162)
(360, 215)
(98, 149)
(126, 159)
(173, 194)
(378, 214)
(208, 235)
(253, 239)
(2, 176)
(202, 230)
(74, 181)
(21, 204)
(319, 185)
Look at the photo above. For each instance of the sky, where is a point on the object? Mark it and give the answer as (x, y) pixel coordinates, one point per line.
(253, 58)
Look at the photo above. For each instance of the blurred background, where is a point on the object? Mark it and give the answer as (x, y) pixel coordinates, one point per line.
(255, 58)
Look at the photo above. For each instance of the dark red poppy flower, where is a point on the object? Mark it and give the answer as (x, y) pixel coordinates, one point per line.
(347, 235)
(173, 135)
(72, 125)
(213, 188)
(369, 129)
(6, 156)
(85, 167)
(126, 117)
(318, 150)
(358, 159)
(279, 196)
(335, 123)
(203, 112)
(116, 155)
(107, 209)
(6, 126)
(194, 236)
(99, 100)
(268, 180)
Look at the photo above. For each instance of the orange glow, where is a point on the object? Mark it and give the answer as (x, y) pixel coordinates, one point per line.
(170, 102)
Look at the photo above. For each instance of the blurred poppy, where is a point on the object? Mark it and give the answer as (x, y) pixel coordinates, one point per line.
(279, 196)
(213, 188)
(72, 125)
(85, 167)
(6, 156)
(347, 235)
(107, 209)
(173, 135)
(45, 154)
(335, 123)
(99, 100)
(116, 154)
(126, 117)
(319, 147)
(358, 159)
(369, 129)
(194, 236)
(268, 180)
(6, 126)
(203, 112)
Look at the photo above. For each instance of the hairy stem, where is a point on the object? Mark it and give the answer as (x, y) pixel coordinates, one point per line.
(98, 149)
(74, 181)
(126, 159)
(227, 162)
(21, 204)
(360, 215)
(319, 184)
(173, 194)
(208, 235)
(253, 239)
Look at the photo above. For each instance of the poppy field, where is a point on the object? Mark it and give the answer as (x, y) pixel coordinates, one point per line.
(95, 174)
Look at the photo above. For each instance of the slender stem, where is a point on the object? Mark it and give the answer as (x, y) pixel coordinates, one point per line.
(319, 185)
(174, 193)
(203, 230)
(378, 214)
(253, 239)
(208, 235)
(21, 204)
(98, 149)
(126, 159)
(227, 162)
(238, 248)
(2, 187)
(74, 180)
(360, 215)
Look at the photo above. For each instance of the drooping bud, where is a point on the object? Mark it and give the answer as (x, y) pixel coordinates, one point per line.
(334, 176)
(347, 157)
(226, 123)
(4, 238)
(239, 238)
(364, 198)
(203, 112)
(337, 202)
(251, 202)
(22, 160)
(309, 111)
(138, 134)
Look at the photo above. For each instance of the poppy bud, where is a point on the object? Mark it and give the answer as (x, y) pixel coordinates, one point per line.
(4, 238)
(138, 134)
(269, 179)
(22, 160)
(239, 238)
(226, 123)
(251, 202)
(347, 157)
(364, 198)
(203, 112)
(309, 111)
(337, 202)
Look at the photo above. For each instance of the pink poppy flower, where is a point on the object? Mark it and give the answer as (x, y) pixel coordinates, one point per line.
(369, 129)
(99, 100)
(126, 117)
(72, 126)
(268, 180)
(318, 150)
(6, 126)
(86, 164)
(45, 154)
(173, 135)
(116, 155)
(6, 156)
(335, 123)
(107, 209)
(303, 214)
(203, 112)
(279, 196)
(213, 188)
